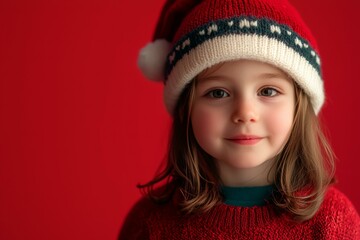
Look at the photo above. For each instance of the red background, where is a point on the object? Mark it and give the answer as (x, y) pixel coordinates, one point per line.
(80, 126)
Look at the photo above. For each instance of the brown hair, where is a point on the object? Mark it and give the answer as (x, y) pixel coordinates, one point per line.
(303, 169)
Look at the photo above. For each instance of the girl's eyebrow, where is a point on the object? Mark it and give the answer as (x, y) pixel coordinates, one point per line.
(260, 76)
(273, 75)
(213, 77)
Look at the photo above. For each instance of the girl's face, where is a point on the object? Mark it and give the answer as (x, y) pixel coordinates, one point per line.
(242, 116)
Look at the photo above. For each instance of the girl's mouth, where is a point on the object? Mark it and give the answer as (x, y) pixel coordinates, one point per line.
(245, 139)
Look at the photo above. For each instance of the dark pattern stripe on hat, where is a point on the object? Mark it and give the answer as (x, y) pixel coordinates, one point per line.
(243, 25)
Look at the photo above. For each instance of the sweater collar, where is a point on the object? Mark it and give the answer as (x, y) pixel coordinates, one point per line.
(247, 196)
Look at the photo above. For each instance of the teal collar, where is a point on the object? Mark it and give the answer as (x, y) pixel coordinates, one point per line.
(247, 196)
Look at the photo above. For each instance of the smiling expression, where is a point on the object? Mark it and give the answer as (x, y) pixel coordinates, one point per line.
(242, 114)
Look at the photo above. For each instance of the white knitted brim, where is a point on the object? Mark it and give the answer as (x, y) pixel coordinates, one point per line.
(245, 46)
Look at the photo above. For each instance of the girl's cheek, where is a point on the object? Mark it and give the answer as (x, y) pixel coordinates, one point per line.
(281, 120)
(206, 119)
(202, 118)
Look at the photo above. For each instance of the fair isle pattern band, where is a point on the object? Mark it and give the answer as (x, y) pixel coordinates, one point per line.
(294, 60)
(242, 25)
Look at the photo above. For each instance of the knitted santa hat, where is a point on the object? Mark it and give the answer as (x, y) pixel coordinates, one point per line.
(192, 35)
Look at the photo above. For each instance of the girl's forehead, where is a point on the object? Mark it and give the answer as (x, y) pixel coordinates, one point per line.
(243, 68)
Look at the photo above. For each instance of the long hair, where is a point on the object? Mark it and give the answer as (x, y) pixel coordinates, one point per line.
(303, 169)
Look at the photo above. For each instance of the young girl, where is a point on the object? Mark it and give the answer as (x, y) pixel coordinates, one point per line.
(247, 158)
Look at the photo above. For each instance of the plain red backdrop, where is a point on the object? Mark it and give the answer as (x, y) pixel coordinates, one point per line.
(80, 126)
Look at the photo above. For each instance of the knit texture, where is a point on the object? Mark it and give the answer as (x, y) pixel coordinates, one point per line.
(203, 33)
(336, 219)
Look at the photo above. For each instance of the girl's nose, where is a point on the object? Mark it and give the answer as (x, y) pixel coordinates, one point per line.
(244, 111)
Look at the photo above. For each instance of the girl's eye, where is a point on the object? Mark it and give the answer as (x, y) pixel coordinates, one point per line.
(218, 93)
(268, 92)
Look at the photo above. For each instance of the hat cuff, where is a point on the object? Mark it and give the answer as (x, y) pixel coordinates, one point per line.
(243, 46)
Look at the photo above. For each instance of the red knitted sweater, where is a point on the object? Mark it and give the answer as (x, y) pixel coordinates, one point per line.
(336, 219)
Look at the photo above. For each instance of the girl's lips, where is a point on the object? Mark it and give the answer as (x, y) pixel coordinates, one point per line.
(245, 140)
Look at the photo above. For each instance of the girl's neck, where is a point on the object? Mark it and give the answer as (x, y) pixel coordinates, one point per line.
(247, 177)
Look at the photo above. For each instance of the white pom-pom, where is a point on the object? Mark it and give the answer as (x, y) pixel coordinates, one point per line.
(152, 59)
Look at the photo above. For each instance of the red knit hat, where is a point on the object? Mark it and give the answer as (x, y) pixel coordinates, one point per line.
(192, 35)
